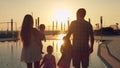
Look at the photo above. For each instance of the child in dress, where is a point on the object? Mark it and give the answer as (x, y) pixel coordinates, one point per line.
(49, 59)
(42, 29)
(66, 50)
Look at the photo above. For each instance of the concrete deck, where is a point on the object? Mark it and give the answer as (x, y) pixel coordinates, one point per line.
(110, 51)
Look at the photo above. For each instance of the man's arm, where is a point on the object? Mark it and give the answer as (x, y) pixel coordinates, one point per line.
(42, 62)
(68, 35)
(69, 31)
(91, 34)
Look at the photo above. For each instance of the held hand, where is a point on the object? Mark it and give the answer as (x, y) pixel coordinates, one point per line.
(45, 40)
(90, 50)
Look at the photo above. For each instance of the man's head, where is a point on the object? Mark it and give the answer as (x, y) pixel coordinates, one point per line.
(81, 13)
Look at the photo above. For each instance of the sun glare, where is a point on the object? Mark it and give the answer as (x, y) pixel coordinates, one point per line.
(60, 42)
(61, 16)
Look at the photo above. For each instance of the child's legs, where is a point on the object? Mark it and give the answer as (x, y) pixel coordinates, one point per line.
(36, 64)
(29, 65)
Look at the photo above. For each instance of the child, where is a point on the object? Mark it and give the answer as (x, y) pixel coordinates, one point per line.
(66, 50)
(49, 59)
(42, 29)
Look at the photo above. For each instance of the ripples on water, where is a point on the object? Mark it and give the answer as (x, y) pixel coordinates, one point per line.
(10, 53)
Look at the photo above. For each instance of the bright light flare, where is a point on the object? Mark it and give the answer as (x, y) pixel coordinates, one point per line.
(60, 42)
(61, 16)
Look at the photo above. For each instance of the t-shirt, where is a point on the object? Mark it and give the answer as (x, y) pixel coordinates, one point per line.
(80, 30)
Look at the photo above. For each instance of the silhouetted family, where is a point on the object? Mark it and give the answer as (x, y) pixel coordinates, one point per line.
(78, 51)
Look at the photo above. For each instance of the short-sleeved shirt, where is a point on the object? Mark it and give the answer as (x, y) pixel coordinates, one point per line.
(80, 30)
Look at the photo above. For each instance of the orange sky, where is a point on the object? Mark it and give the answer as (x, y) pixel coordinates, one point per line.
(49, 9)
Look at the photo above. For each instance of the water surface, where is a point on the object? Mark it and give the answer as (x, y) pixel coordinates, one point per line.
(10, 53)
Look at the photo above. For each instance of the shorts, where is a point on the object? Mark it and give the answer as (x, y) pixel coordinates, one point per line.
(80, 58)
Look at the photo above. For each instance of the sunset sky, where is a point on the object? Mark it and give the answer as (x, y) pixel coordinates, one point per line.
(49, 10)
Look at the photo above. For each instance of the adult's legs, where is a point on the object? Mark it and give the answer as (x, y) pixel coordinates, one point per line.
(37, 64)
(76, 60)
(84, 64)
(85, 61)
(29, 65)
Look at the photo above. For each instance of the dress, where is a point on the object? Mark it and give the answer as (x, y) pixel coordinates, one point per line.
(32, 52)
(49, 61)
(66, 56)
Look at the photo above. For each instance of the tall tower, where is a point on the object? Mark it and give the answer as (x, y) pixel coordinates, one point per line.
(56, 25)
(53, 26)
(38, 21)
(101, 21)
(61, 26)
(68, 23)
(11, 25)
(64, 26)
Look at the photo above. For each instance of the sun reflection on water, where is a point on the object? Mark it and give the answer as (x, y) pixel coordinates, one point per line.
(60, 41)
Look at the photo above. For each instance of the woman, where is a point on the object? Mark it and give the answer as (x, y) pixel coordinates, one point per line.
(31, 51)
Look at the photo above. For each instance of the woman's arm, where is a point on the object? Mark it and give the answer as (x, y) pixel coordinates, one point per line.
(54, 62)
(42, 62)
(37, 33)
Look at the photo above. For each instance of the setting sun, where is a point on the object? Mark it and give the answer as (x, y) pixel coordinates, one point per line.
(61, 16)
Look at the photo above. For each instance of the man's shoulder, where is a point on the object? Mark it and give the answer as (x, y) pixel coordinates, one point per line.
(87, 23)
(74, 21)
(84, 21)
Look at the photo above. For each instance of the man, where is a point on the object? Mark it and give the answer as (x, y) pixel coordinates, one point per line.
(82, 31)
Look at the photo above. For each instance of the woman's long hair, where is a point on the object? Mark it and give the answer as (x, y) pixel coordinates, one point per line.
(26, 29)
(66, 41)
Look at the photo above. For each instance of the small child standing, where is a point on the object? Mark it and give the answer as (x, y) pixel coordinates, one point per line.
(49, 59)
(42, 30)
(66, 50)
